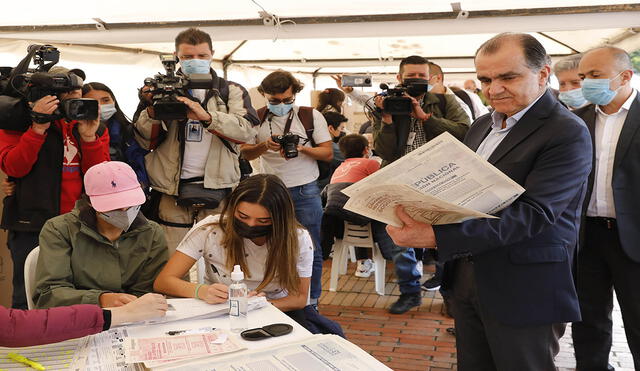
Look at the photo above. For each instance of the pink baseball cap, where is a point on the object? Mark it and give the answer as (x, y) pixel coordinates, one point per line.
(113, 185)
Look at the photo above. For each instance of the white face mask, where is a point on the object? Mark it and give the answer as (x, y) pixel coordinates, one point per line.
(107, 111)
(120, 219)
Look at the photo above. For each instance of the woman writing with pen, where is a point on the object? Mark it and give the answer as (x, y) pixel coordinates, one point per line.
(257, 230)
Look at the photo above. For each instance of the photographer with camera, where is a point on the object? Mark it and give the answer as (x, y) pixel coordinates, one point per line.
(405, 118)
(46, 162)
(193, 125)
(290, 142)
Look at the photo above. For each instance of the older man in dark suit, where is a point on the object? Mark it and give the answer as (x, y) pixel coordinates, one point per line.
(609, 254)
(510, 279)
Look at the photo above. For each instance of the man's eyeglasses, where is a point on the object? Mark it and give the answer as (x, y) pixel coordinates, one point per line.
(285, 100)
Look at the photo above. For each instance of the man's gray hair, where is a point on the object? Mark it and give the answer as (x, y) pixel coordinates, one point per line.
(567, 63)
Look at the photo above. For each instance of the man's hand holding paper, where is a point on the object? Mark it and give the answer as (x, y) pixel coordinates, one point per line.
(412, 233)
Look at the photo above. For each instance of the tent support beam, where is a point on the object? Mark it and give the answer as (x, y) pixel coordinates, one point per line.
(364, 60)
(315, 76)
(226, 61)
(558, 42)
(596, 9)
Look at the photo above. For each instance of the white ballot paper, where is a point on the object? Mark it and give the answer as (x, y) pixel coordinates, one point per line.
(441, 182)
(315, 353)
(178, 347)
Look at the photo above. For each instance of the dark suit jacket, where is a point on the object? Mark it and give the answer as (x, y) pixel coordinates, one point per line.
(523, 261)
(626, 176)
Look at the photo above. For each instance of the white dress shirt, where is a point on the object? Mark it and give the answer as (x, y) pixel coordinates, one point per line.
(497, 134)
(607, 133)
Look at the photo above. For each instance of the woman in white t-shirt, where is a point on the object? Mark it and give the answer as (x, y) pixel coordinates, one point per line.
(258, 230)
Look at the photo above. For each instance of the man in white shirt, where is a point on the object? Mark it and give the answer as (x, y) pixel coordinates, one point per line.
(295, 162)
(199, 149)
(609, 255)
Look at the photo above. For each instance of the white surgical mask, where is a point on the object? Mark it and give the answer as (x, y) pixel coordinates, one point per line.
(106, 111)
(120, 219)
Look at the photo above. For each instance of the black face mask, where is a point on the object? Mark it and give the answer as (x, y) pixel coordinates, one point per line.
(246, 231)
(416, 87)
(337, 139)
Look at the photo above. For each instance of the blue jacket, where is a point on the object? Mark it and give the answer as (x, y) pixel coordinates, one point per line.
(523, 261)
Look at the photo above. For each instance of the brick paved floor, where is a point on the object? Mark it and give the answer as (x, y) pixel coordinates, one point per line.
(417, 340)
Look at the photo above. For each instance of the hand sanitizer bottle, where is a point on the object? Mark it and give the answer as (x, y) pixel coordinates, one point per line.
(237, 301)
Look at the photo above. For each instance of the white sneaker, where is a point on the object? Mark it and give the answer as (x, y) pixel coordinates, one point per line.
(365, 268)
(420, 266)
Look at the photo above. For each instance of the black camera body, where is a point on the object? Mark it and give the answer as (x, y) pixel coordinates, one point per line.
(166, 88)
(396, 102)
(289, 143)
(22, 85)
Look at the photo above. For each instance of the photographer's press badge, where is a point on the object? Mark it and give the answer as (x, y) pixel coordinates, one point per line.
(194, 131)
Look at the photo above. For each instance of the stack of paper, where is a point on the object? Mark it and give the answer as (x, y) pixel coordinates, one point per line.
(441, 182)
(154, 351)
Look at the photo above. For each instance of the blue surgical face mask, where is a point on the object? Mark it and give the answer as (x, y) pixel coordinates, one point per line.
(429, 87)
(190, 66)
(572, 98)
(598, 91)
(106, 111)
(280, 109)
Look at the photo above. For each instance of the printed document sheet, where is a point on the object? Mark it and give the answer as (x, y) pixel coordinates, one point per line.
(441, 182)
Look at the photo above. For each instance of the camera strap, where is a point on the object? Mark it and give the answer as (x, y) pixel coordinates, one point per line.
(287, 126)
(42, 118)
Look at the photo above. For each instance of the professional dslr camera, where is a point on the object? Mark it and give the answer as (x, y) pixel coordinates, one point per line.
(396, 102)
(23, 85)
(166, 88)
(289, 143)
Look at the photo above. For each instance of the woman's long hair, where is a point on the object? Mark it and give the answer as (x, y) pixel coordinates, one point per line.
(269, 192)
(119, 115)
(330, 99)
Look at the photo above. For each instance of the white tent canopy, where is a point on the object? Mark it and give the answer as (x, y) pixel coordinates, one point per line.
(116, 42)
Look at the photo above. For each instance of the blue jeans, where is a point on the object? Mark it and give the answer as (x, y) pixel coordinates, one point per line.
(404, 259)
(306, 199)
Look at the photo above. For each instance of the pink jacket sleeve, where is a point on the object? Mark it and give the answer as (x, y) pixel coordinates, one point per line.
(20, 328)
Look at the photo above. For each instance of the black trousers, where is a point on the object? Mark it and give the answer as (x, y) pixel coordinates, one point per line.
(20, 245)
(602, 267)
(484, 343)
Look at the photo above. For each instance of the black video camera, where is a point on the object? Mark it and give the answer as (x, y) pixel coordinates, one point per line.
(166, 88)
(289, 143)
(23, 85)
(396, 102)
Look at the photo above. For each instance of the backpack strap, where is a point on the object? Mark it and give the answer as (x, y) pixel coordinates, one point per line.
(220, 88)
(467, 100)
(305, 114)
(442, 103)
(262, 114)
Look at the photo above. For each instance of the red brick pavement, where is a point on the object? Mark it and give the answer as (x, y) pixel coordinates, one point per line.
(417, 340)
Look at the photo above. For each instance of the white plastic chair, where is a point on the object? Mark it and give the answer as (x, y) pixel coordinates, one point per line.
(360, 236)
(30, 275)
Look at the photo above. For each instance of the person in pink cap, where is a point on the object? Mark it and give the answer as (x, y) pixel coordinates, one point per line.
(103, 252)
